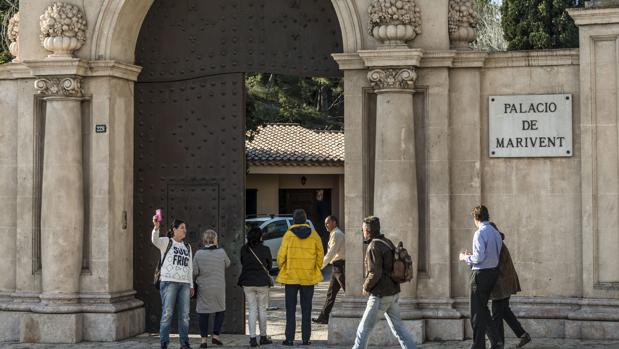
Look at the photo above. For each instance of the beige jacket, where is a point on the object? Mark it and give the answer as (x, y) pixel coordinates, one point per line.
(336, 247)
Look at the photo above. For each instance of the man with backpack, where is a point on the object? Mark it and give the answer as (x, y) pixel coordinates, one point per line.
(382, 284)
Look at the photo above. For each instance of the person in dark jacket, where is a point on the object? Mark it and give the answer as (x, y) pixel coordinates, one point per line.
(256, 280)
(507, 284)
(384, 292)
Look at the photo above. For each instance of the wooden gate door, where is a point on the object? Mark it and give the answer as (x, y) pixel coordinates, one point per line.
(189, 117)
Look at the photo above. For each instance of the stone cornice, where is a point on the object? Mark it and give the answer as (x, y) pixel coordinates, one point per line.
(438, 59)
(115, 69)
(348, 61)
(469, 59)
(59, 67)
(391, 57)
(14, 70)
(71, 67)
(473, 59)
(532, 58)
(592, 16)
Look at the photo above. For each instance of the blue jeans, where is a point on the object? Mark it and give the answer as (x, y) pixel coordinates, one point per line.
(391, 308)
(307, 294)
(174, 293)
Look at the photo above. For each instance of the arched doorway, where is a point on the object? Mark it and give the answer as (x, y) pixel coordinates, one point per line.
(189, 115)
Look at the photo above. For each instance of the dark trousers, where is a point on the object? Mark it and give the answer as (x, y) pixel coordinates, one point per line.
(482, 282)
(337, 282)
(501, 311)
(307, 293)
(203, 321)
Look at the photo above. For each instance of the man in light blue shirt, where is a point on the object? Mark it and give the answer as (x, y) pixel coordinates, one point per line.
(484, 261)
(486, 247)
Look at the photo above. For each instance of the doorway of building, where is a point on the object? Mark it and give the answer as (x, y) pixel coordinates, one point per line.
(315, 202)
(189, 127)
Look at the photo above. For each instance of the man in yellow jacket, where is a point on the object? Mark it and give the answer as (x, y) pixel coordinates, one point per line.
(299, 258)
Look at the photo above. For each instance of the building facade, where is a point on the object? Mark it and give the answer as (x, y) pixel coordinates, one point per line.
(290, 166)
(105, 108)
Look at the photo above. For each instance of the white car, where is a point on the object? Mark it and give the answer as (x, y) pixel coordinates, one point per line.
(274, 227)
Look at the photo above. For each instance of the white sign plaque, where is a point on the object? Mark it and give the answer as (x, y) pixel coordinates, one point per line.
(530, 125)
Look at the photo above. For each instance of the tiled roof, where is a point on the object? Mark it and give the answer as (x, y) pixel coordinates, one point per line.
(294, 145)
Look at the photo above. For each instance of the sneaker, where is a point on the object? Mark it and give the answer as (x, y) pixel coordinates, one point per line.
(265, 340)
(253, 342)
(204, 345)
(185, 346)
(288, 343)
(217, 341)
(320, 320)
(307, 343)
(164, 346)
(526, 338)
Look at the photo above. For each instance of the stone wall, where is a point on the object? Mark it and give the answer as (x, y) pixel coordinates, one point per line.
(534, 201)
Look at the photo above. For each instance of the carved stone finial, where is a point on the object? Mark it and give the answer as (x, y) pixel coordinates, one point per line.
(394, 22)
(12, 34)
(463, 22)
(393, 78)
(63, 29)
(59, 86)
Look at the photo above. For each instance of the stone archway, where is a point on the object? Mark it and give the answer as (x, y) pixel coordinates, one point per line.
(189, 115)
(118, 25)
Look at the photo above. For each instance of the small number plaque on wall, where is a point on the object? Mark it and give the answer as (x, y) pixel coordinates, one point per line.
(530, 126)
(101, 128)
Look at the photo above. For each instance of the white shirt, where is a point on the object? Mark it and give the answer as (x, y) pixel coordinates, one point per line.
(336, 247)
(177, 266)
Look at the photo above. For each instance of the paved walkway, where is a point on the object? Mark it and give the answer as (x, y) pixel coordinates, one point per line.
(276, 330)
(152, 342)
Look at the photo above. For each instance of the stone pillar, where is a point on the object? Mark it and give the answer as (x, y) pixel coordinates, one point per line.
(62, 205)
(598, 29)
(395, 176)
(58, 317)
(391, 72)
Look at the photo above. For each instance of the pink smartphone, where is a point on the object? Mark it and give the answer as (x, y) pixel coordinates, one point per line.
(158, 215)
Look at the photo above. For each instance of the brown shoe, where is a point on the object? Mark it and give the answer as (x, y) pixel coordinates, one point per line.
(216, 341)
(524, 340)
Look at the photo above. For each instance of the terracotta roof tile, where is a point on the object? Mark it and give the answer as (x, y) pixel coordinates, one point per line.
(292, 144)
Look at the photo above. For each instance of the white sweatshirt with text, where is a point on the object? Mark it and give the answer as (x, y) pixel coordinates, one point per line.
(178, 266)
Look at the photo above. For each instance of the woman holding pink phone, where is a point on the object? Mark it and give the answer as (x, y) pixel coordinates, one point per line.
(175, 279)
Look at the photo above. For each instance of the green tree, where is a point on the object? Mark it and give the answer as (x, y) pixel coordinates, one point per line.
(539, 24)
(316, 103)
(7, 9)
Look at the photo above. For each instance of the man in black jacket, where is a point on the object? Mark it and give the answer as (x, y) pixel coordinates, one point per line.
(383, 291)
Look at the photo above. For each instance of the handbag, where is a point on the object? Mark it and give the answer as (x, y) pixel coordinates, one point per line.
(157, 274)
(271, 280)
